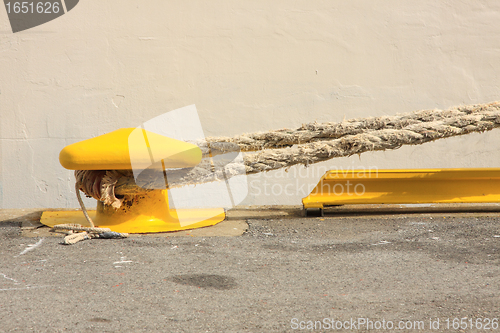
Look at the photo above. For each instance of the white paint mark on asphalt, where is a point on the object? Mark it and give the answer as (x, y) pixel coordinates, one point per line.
(122, 261)
(382, 243)
(16, 283)
(8, 278)
(23, 288)
(31, 247)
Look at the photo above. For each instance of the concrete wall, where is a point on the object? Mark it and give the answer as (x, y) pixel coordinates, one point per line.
(248, 66)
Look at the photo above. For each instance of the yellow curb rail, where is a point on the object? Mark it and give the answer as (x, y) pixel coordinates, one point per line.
(404, 186)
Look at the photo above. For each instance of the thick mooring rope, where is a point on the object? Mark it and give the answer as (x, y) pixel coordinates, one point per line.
(308, 144)
(100, 185)
(83, 233)
(314, 132)
(76, 233)
(82, 205)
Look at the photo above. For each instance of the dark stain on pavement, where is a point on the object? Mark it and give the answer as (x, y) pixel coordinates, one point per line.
(206, 281)
(100, 320)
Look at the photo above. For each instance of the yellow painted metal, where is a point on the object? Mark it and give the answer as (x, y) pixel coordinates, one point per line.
(129, 148)
(140, 214)
(53, 217)
(113, 151)
(405, 186)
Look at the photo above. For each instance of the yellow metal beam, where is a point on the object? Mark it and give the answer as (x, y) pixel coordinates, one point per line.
(404, 186)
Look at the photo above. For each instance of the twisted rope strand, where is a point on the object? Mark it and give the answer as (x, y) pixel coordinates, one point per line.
(313, 132)
(309, 144)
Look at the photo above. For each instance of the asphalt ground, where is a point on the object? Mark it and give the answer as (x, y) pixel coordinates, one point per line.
(416, 270)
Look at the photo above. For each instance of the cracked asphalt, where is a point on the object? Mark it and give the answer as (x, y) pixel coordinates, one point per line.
(281, 273)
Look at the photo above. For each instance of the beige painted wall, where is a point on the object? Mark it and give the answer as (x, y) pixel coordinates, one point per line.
(248, 66)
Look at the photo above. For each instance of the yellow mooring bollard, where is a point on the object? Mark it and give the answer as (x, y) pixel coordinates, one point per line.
(148, 211)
